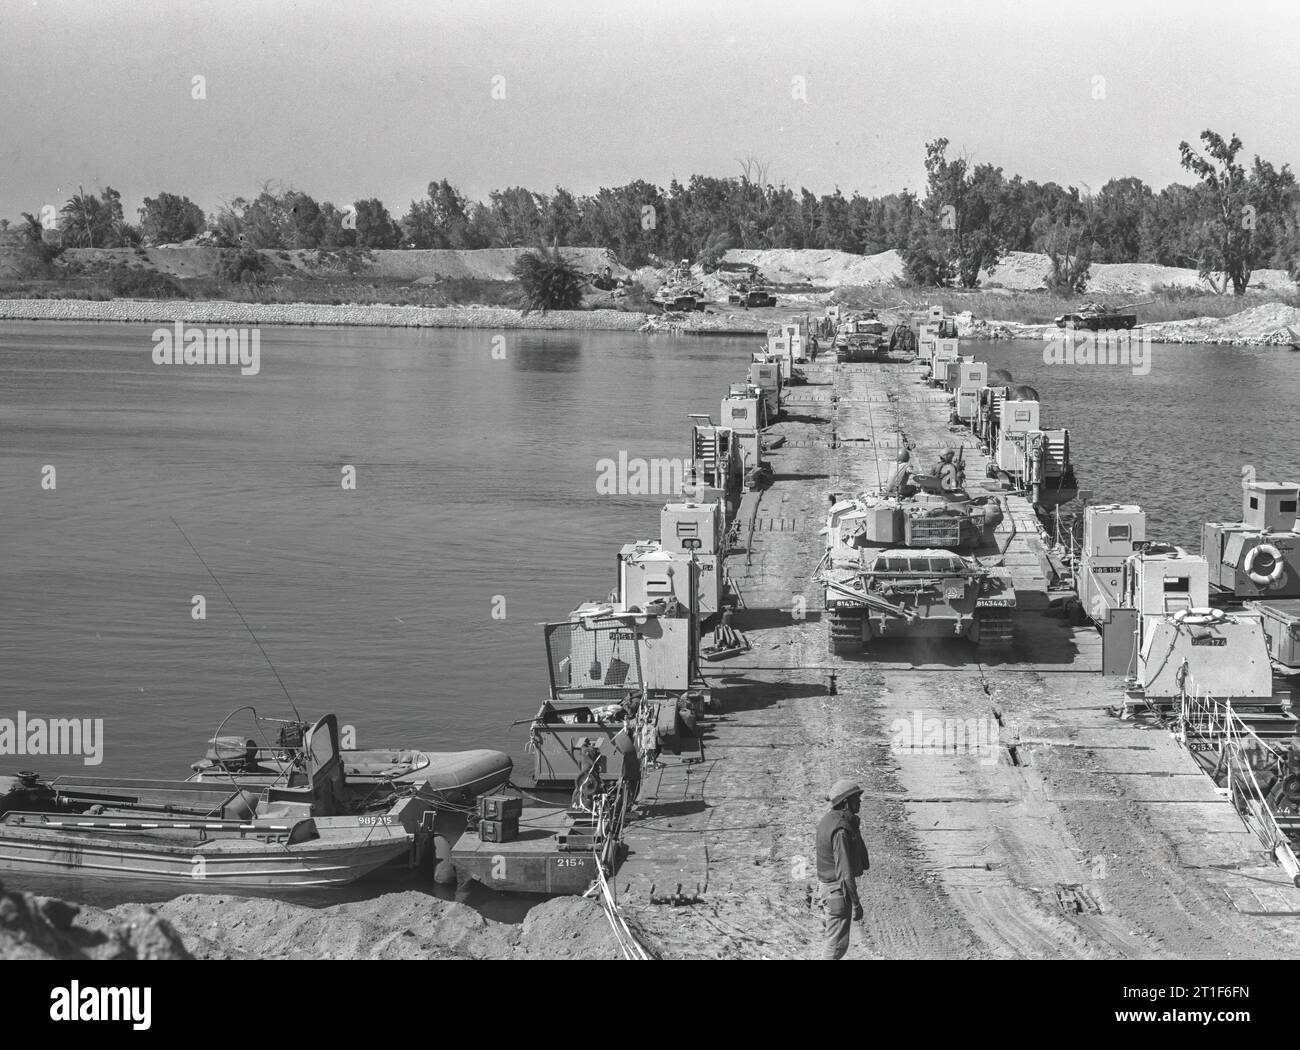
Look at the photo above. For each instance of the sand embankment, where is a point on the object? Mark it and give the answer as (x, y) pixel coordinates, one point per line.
(403, 925)
(1017, 271)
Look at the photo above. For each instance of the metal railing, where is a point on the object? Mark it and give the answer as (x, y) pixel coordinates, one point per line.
(1207, 720)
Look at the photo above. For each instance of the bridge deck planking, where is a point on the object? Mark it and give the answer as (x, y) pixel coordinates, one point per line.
(970, 850)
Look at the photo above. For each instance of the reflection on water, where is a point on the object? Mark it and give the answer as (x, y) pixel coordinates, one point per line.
(549, 352)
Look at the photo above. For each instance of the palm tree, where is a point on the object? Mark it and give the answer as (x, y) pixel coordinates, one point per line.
(549, 281)
(83, 221)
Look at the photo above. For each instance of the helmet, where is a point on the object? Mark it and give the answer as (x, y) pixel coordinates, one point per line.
(904, 455)
(842, 789)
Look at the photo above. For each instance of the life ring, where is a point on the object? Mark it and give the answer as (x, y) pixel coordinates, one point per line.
(1264, 579)
(1198, 617)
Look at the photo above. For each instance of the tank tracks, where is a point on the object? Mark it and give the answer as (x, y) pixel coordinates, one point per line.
(996, 628)
(845, 634)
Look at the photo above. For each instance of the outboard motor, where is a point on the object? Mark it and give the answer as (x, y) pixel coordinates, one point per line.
(233, 753)
(24, 791)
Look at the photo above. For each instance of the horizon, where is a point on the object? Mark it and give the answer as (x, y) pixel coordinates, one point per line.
(379, 120)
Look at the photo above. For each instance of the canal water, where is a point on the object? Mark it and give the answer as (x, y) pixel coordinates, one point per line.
(1176, 439)
(409, 606)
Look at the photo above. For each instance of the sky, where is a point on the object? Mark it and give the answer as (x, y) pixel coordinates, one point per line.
(376, 98)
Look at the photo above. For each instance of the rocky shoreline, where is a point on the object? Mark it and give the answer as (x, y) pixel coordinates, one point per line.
(1268, 324)
(149, 311)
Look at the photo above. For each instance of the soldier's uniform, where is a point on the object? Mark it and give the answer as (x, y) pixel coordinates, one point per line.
(841, 859)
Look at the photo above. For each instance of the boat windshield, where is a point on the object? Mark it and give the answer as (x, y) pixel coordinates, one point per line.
(593, 659)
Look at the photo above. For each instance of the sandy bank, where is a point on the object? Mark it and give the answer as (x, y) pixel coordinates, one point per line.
(1016, 271)
(405, 925)
(1268, 324)
(147, 311)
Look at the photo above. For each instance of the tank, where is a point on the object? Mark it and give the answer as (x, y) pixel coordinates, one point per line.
(862, 338)
(680, 290)
(753, 295)
(919, 519)
(903, 592)
(1096, 317)
(751, 290)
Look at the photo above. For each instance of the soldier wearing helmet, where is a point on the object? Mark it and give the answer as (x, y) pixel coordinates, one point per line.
(899, 482)
(841, 858)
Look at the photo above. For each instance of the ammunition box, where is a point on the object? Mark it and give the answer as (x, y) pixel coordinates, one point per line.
(500, 807)
(498, 830)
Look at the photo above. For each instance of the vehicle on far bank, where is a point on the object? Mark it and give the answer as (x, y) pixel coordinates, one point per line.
(606, 281)
(752, 297)
(1098, 317)
(750, 290)
(680, 291)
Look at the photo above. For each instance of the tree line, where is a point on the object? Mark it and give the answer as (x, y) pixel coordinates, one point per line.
(1231, 219)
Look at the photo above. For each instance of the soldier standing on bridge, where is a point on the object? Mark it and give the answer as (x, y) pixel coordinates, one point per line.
(841, 858)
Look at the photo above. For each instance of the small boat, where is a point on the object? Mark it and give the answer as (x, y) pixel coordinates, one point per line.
(447, 777)
(226, 835)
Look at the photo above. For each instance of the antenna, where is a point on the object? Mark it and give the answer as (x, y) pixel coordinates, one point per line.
(241, 618)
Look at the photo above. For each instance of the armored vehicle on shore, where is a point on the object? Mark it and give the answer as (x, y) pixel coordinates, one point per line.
(1097, 317)
(680, 291)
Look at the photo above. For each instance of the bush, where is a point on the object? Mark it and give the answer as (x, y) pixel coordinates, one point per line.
(346, 260)
(549, 281)
(245, 266)
(126, 282)
(1069, 274)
